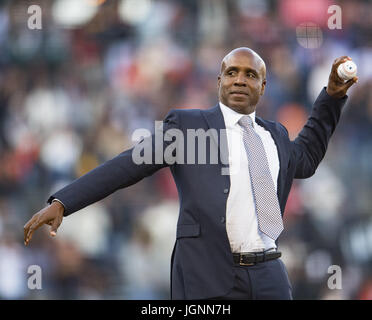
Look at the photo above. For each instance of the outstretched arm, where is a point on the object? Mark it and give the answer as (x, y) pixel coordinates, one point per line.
(119, 172)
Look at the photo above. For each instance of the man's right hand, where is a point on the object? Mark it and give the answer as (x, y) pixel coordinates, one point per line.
(51, 215)
(337, 87)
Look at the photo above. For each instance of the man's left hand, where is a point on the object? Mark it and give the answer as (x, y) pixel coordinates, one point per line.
(337, 87)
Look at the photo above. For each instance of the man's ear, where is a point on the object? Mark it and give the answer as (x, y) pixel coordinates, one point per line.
(263, 86)
(218, 81)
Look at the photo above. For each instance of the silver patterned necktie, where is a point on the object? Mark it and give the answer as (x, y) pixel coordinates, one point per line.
(267, 205)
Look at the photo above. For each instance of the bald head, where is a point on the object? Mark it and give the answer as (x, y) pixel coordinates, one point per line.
(242, 80)
(247, 52)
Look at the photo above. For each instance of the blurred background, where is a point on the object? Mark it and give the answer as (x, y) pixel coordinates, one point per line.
(73, 92)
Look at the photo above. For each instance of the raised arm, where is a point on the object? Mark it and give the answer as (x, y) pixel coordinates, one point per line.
(309, 148)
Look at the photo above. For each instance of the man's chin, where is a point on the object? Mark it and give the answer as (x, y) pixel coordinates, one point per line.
(239, 106)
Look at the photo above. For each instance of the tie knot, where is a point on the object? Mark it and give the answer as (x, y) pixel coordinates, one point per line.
(246, 122)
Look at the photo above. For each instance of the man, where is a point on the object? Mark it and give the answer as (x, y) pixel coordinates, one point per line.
(228, 224)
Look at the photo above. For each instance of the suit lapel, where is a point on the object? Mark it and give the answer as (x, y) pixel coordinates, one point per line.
(215, 120)
(269, 126)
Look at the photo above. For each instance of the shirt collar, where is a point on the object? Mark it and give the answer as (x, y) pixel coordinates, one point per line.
(232, 117)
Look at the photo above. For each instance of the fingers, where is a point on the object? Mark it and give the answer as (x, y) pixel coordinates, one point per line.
(337, 62)
(26, 229)
(34, 224)
(350, 82)
(51, 215)
(54, 226)
(340, 60)
(335, 65)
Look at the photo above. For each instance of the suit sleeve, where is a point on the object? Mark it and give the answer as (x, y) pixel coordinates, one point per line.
(117, 173)
(310, 146)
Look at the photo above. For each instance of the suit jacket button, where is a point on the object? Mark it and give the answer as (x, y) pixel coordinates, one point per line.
(225, 190)
(222, 219)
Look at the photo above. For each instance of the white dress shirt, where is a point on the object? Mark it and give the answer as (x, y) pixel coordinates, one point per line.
(241, 219)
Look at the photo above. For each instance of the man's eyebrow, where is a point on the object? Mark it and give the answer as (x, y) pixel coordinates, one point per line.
(248, 69)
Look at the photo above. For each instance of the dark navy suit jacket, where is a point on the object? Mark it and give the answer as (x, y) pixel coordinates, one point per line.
(202, 262)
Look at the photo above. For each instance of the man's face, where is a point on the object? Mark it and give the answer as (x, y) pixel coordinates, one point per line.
(242, 81)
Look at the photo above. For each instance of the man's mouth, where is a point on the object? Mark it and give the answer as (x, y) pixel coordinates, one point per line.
(239, 93)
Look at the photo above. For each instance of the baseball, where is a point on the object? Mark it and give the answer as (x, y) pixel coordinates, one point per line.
(347, 70)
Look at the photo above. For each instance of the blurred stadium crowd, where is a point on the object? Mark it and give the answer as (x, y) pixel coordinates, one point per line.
(72, 93)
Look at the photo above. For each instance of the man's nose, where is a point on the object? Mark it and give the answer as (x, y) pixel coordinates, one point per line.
(241, 80)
